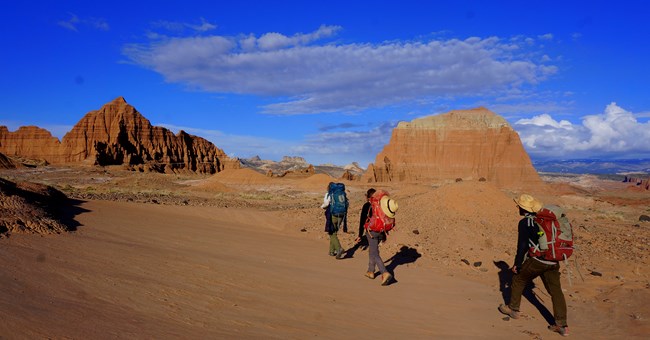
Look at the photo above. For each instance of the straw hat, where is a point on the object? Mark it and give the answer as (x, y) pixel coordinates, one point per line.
(528, 203)
(388, 206)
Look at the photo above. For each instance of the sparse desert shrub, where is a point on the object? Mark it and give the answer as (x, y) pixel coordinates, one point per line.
(459, 180)
(256, 196)
(482, 179)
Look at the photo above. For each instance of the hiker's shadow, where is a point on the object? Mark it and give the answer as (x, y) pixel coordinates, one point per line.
(405, 255)
(505, 280)
(363, 245)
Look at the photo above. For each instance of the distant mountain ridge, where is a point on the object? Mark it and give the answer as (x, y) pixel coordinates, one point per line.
(290, 164)
(117, 134)
(594, 166)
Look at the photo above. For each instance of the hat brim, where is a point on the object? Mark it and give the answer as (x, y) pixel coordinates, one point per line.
(384, 204)
(532, 206)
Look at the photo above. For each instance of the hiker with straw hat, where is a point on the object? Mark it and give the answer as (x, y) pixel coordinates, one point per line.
(527, 268)
(379, 221)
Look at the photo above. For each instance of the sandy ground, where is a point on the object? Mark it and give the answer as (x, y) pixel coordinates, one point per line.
(255, 265)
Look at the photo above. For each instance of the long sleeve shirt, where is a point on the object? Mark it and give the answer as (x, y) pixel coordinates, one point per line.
(526, 230)
(326, 201)
(366, 211)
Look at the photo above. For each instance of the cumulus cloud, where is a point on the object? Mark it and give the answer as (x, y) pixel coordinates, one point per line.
(547, 36)
(311, 75)
(546, 120)
(614, 133)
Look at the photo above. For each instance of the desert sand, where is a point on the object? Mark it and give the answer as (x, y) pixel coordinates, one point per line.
(236, 255)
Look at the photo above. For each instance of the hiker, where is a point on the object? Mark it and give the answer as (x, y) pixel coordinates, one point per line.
(335, 204)
(362, 240)
(527, 267)
(380, 220)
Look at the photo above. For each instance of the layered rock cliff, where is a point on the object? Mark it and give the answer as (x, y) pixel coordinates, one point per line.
(30, 142)
(6, 163)
(118, 134)
(643, 183)
(472, 144)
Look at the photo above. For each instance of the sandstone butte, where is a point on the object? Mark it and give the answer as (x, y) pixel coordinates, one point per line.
(474, 144)
(118, 134)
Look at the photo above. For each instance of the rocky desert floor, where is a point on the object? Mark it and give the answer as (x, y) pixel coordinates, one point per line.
(241, 255)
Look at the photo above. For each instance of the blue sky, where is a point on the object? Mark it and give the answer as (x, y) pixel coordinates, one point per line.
(328, 80)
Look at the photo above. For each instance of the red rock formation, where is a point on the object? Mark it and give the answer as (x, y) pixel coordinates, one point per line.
(6, 163)
(118, 134)
(470, 145)
(639, 182)
(305, 172)
(30, 142)
(347, 175)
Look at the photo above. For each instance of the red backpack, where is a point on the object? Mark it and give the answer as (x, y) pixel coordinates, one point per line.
(378, 221)
(555, 235)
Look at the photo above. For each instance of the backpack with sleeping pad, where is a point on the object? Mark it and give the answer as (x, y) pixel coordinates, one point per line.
(338, 199)
(555, 242)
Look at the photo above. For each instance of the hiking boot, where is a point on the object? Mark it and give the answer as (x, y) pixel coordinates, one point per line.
(505, 309)
(386, 278)
(370, 275)
(332, 253)
(563, 330)
(339, 254)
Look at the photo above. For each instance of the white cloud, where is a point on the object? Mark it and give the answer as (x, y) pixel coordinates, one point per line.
(614, 133)
(307, 75)
(99, 23)
(243, 146)
(204, 27)
(327, 147)
(74, 21)
(348, 146)
(546, 120)
(71, 23)
(547, 36)
(180, 27)
(274, 41)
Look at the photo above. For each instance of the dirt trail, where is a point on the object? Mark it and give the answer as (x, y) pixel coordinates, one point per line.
(151, 271)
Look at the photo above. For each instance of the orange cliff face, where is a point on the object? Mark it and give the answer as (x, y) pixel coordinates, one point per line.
(30, 142)
(472, 144)
(118, 134)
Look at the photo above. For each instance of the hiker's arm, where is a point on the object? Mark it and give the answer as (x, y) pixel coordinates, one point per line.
(522, 244)
(362, 219)
(326, 201)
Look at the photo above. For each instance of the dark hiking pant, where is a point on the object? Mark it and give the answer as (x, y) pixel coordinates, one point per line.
(374, 260)
(550, 274)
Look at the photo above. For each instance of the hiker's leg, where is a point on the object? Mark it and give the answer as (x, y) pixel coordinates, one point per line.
(373, 249)
(336, 222)
(373, 253)
(551, 280)
(526, 274)
(332, 247)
